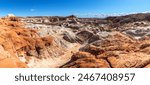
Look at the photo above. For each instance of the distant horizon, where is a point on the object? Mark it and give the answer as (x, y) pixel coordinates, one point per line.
(103, 15)
(80, 8)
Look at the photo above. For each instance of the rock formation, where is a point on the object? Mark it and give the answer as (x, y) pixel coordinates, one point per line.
(72, 42)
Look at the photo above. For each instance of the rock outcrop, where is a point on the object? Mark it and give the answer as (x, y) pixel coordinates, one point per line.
(72, 42)
(117, 50)
(21, 44)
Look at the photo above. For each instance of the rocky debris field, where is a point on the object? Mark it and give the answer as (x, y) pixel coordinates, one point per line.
(72, 42)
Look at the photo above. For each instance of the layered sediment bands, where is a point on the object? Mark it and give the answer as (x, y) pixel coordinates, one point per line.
(72, 42)
(86, 60)
(117, 50)
(19, 44)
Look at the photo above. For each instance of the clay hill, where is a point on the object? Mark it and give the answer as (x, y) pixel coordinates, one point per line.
(72, 42)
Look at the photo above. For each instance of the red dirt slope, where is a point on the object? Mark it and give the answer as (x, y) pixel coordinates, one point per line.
(16, 42)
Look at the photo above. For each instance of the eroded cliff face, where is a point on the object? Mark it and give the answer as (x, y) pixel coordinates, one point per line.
(114, 42)
(19, 45)
(71, 42)
(8, 53)
(117, 51)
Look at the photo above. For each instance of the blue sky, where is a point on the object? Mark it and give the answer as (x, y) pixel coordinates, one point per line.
(68, 7)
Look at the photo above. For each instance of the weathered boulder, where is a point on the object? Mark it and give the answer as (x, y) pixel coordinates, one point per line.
(84, 35)
(94, 38)
(70, 37)
(85, 60)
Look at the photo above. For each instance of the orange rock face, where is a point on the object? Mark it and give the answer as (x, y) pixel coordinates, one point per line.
(71, 42)
(14, 39)
(116, 51)
(12, 63)
(86, 60)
